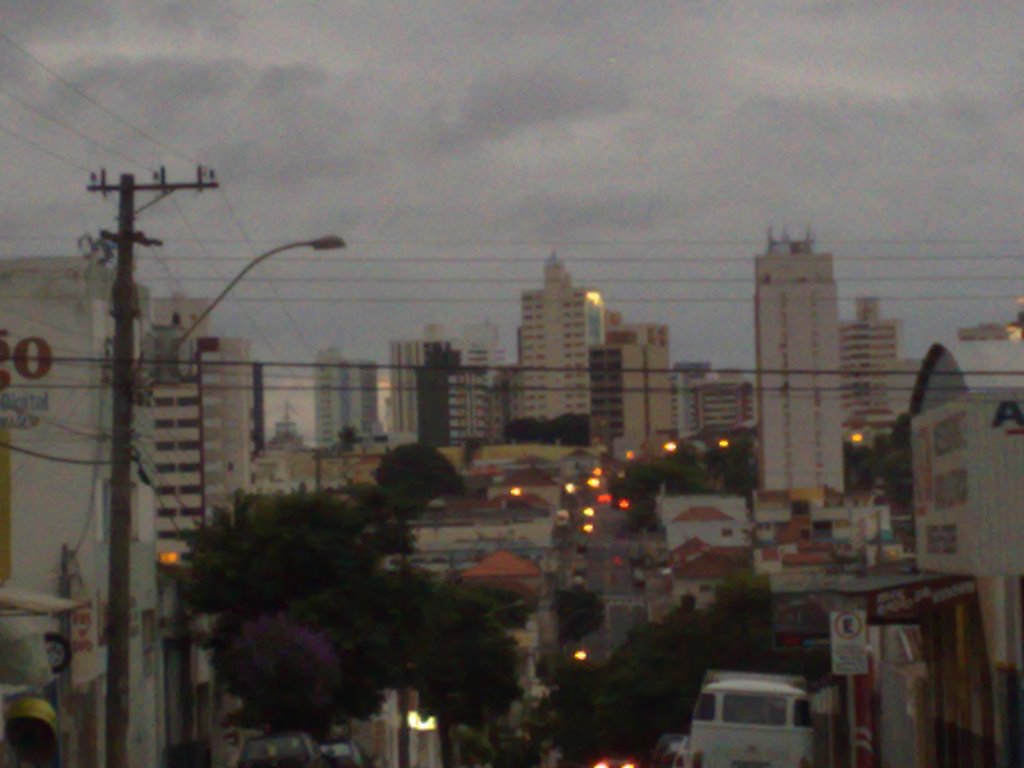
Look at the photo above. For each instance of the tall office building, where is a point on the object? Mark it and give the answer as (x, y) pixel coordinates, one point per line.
(630, 385)
(710, 400)
(202, 400)
(481, 346)
(346, 397)
(407, 358)
(560, 322)
(797, 330)
(876, 379)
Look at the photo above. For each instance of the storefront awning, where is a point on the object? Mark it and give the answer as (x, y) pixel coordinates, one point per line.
(899, 599)
(22, 602)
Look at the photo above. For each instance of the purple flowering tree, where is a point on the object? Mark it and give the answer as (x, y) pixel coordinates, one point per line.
(286, 674)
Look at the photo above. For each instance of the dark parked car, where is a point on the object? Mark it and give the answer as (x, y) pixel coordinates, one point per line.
(282, 750)
(346, 753)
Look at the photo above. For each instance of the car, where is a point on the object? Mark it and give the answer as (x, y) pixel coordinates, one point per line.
(617, 762)
(346, 753)
(291, 749)
(664, 749)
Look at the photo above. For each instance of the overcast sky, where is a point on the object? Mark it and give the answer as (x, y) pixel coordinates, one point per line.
(651, 144)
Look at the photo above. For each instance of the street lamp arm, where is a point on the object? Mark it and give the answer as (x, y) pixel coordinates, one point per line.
(327, 243)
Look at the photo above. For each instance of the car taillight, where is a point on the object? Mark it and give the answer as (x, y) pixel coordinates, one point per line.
(628, 765)
(601, 765)
(698, 760)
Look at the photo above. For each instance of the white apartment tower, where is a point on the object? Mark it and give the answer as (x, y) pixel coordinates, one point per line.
(202, 400)
(796, 315)
(560, 322)
(346, 397)
(876, 380)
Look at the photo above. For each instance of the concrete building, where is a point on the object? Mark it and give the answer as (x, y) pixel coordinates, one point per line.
(797, 334)
(203, 420)
(407, 357)
(55, 425)
(717, 521)
(560, 322)
(481, 346)
(346, 397)
(711, 401)
(630, 386)
(994, 331)
(876, 380)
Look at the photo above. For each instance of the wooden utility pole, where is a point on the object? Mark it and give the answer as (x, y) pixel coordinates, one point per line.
(125, 311)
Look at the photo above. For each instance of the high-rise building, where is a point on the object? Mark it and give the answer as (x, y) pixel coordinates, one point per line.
(481, 346)
(876, 380)
(346, 397)
(560, 322)
(630, 385)
(202, 398)
(797, 329)
(710, 400)
(407, 357)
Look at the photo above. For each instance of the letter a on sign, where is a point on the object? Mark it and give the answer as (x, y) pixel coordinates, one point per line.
(1008, 410)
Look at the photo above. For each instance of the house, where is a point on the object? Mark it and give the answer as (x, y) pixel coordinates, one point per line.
(720, 521)
(698, 576)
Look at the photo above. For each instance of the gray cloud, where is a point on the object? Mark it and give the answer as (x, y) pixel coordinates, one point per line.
(503, 105)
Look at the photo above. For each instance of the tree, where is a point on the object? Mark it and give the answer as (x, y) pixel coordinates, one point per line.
(733, 469)
(465, 662)
(286, 674)
(678, 473)
(579, 613)
(317, 561)
(418, 473)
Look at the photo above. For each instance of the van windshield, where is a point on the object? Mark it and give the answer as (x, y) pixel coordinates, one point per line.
(754, 709)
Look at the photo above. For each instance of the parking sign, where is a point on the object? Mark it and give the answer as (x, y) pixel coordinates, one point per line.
(849, 642)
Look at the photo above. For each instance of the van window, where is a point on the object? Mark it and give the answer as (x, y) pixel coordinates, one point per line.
(705, 709)
(802, 713)
(754, 709)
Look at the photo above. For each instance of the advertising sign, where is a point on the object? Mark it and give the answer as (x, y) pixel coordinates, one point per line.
(849, 642)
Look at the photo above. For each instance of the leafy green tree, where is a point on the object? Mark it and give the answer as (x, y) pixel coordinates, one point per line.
(318, 561)
(418, 473)
(733, 469)
(465, 662)
(677, 473)
(579, 612)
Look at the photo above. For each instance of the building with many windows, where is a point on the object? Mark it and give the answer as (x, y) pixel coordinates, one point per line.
(560, 322)
(202, 411)
(798, 384)
(630, 386)
(346, 397)
(711, 401)
(876, 380)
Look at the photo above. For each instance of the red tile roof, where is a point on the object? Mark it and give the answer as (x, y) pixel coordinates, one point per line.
(792, 532)
(712, 565)
(531, 476)
(688, 549)
(807, 558)
(702, 515)
(502, 564)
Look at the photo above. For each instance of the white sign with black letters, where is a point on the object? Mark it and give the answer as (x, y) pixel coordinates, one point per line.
(849, 642)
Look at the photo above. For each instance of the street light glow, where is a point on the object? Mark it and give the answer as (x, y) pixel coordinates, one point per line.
(671, 446)
(581, 655)
(723, 443)
(570, 488)
(856, 437)
(516, 491)
(598, 471)
(630, 455)
(588, 528)
(594, 482)
(588, 511)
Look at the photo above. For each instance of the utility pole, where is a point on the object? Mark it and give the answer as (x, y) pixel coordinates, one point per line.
(124, 310)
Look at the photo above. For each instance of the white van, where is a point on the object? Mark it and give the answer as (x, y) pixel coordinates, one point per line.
(749, 720)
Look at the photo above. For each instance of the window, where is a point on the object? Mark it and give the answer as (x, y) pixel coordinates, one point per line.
(188, 422)
(705, 709)
(165, 446)
(191, 489)
(189, 445)
(188, 401)
(753, 709)
(163, 423)
(726, 533)
(802, 713)
(163, 401)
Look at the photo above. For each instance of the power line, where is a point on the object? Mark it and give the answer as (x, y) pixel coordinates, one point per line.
(41, 148)
(91, 100)
(51, 457)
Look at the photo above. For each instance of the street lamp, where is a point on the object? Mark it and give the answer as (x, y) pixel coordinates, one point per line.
(325, 243)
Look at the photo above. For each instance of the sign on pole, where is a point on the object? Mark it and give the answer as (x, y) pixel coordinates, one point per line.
(849, 642)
